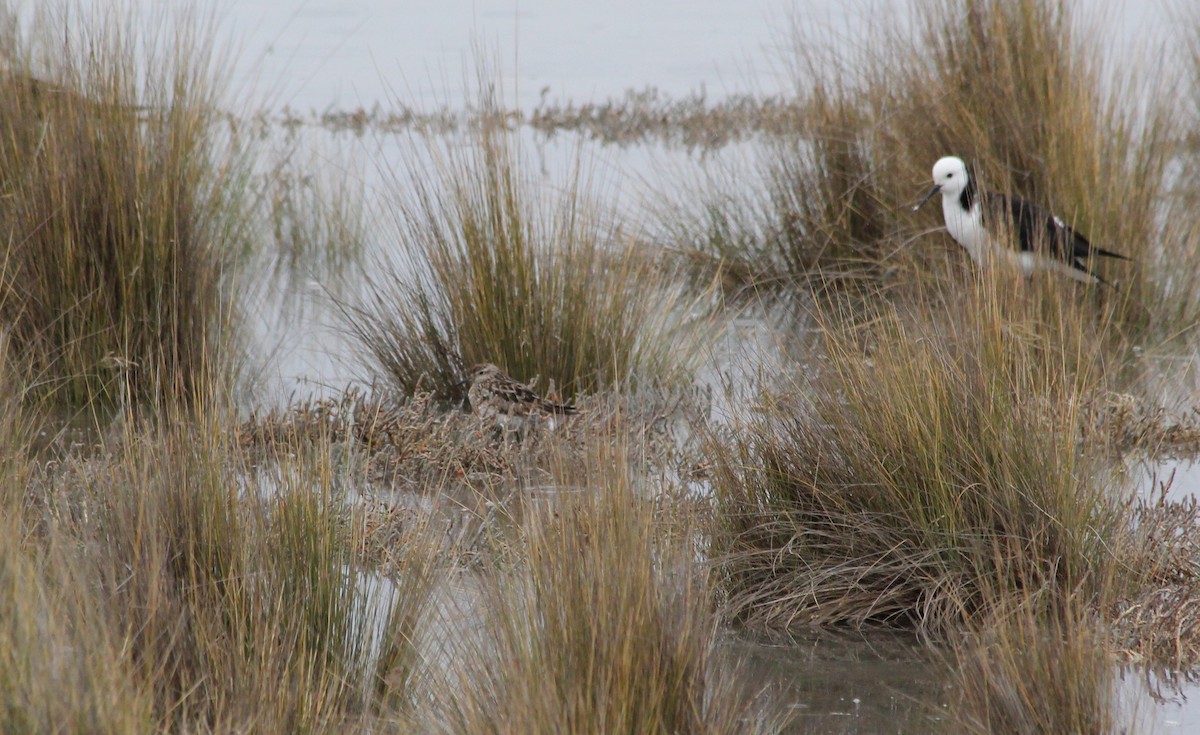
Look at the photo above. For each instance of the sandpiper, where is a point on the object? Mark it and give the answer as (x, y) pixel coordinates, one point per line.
(975, 220)
(510, 405)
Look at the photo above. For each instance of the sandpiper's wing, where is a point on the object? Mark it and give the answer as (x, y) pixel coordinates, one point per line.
(560, 408)
(522, 399)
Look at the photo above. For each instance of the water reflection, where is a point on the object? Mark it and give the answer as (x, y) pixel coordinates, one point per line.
(844, 684)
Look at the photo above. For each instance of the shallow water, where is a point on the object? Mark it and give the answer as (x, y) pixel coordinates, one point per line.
(843, 685)
(326, 54)
(323, 54)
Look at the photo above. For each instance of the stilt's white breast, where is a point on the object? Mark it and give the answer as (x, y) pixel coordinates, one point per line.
(966, 227)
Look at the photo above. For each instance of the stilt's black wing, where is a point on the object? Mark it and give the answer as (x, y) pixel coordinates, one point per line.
(1036, 229)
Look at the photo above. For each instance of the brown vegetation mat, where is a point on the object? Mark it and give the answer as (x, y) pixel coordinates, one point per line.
(419, 461)
(1160, 623)
(1127, 424)
(641, 116)
(420, 445)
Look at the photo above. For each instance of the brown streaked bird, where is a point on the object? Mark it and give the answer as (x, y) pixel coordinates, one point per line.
(510, 405)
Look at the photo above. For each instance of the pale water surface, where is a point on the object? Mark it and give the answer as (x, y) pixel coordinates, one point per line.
(321, 54)
(314, 55)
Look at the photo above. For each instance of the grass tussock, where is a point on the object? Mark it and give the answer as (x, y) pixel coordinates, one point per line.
(210, 604)
(64, 668)
(926, 472)
(597, 622)
(499, 273)
(1025, 671)
(122, 208)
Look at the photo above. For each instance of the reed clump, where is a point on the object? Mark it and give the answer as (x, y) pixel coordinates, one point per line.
(125, 211)
(1024, 670)
(596, 621)
(209, 597)
(538, 285)
(927, 471)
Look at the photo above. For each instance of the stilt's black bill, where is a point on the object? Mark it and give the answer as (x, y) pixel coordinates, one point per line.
(934, 190)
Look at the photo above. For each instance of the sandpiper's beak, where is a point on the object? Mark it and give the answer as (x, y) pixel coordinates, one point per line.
(936, 188)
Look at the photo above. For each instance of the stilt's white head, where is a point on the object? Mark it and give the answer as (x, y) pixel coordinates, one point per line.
(949, 178)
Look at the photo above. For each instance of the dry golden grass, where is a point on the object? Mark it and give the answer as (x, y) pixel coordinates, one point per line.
(1025, 670)
(597, 621)
(493, 271)
(208, 595)
(124, 208)
(929, 470)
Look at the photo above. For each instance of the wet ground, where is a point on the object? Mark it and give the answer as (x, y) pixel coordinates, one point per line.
(313, 55)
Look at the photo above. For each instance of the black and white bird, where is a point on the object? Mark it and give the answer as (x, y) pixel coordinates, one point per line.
(989, 224)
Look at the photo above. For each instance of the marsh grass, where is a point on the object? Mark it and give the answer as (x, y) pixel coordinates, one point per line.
(205, 598)
(318, 215)
(1154, 623)
(929, 470)
(499, 271)
(598, 622)
(1025, 670)
(64, 668)
(123, 209)
(693, 122)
